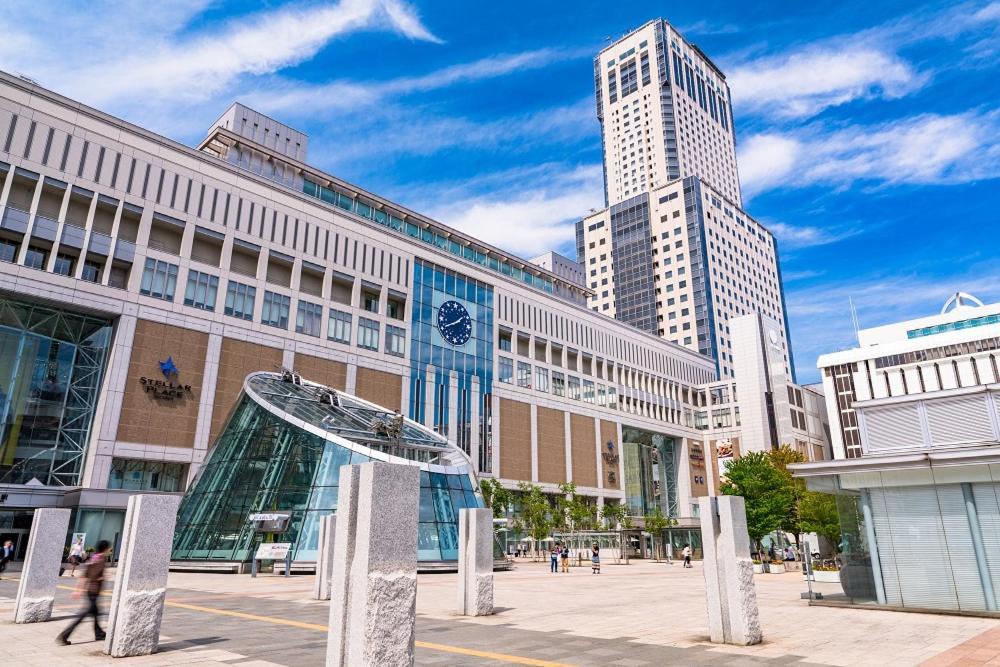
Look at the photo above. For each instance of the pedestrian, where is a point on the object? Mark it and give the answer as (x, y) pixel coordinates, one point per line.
(595, 559)
(687, 555)
(789, 553)
(564, 557)
(76, 554)
(554, 558)
(90, 586)
(6, 555)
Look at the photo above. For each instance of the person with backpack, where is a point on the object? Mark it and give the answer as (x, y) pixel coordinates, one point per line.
(90, 585)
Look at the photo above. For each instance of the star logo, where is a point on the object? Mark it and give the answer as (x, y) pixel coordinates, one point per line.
(168, 367)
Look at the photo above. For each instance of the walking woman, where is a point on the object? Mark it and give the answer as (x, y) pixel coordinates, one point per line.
(90, 585)
(595, 559)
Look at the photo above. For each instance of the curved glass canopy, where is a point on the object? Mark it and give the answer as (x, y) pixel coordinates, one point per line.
(281, 452)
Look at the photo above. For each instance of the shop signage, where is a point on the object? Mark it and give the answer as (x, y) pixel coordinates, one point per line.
(611, 456)
(166, 389)
(273, 551)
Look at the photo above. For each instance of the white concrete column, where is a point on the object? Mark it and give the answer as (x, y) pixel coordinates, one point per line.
(8, 181)
(206, 404)
(351, 381)
(324, 557)
(733, 617)
(36, 591)
(141, 580)
(32, 211)
(475, 398)
(430, 386)
(598, 452)
(453, 397)
(372, 616)
(475, 562)
(496, 434)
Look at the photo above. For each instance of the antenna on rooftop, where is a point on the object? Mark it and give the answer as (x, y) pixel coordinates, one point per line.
(854, 320)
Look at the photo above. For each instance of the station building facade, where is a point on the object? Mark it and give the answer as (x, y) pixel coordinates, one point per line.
(142, 281)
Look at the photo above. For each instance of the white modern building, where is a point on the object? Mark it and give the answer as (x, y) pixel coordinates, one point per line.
(674, 254)
(142, 281)
(762, 407)
(665, 114)
(916, 442)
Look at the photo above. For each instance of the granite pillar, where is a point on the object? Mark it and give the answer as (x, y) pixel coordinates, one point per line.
(732, 599)
(324, 557)
(141, 580)
(372, 614)
(475, 562)
(37, 589)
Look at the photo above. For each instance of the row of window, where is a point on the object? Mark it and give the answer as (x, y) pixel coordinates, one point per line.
(560, 385)
(159, 280)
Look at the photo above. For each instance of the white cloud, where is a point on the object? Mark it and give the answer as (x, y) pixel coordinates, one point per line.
(791, 237)
(294, 98)
(535, 212)
(149, 53)
(803, 83)
(926, 149)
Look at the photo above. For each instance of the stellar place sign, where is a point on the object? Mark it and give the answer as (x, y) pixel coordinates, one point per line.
(165, 389)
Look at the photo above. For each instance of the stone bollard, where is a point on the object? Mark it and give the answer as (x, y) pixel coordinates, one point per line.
(141, 580)
(373, 612)
(37, 589)
(732, 599)
(475, 562)
(324, 556)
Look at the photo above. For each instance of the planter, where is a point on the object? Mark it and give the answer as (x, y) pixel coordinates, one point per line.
(793, 566)
(778, 568)
(758, 568)
(826, 576)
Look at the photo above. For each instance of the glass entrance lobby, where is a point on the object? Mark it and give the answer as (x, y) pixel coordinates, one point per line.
(281, 452)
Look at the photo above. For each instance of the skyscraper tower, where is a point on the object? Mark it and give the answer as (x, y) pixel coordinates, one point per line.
(674, 254)
(665, 114)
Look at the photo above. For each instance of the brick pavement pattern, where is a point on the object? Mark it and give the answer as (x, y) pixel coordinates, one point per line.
(630, 616)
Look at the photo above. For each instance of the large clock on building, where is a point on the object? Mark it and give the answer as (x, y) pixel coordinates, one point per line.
(454, 323)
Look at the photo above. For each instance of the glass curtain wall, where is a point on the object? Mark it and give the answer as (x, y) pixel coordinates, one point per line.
(51, 366)
(923, 538)
(650, 464)
(262, 463)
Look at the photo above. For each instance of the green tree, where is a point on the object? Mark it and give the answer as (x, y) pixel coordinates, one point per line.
(496, 497)
(535, 512)
(781, 458)
(818, 514)
(656, 523)
(615, 514)
(767, 491)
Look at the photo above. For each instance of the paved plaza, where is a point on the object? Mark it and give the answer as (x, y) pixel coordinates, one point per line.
(644, 613)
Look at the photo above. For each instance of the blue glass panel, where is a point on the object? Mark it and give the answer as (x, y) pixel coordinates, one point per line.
(425, 479)
(426, 505)
(466, 482)
(442, 505)
(428, 543)
(448, 533)
(454, 481)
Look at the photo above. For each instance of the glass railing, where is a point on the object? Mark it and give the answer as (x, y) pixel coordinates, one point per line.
(15, 220)
(428, 236)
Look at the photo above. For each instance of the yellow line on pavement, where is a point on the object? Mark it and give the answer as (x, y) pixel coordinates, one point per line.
(444, 648)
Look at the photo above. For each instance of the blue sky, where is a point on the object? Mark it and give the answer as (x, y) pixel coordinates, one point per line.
(867, 133)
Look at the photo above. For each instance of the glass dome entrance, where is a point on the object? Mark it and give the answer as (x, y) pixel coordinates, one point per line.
(281, 451)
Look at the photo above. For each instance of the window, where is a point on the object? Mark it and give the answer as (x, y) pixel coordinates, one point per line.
(339, 329)
(91, 272)
(506, 370)
(371, 302)
(523, 374)
(201, 290)
(541, 378)
(36, 258)
(574, 388)
(558, 384)
(309, 318)
(275, 311)
(395, 340)
(368, 333)
(505, 341)
(138, 475)
(64, 265)
(159, 279)
(8, 250)
(588, 391)
(240, 300)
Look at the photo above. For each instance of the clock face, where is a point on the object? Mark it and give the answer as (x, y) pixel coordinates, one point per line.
(454, 323)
